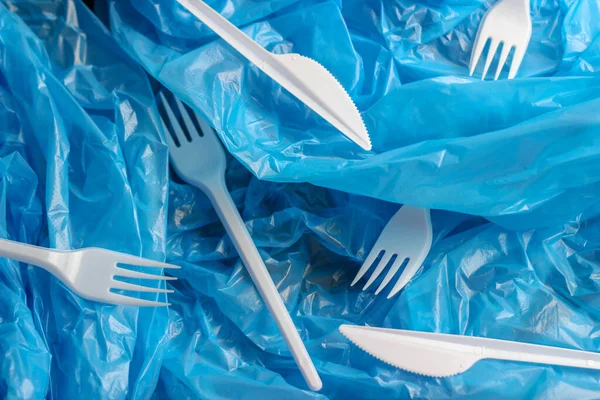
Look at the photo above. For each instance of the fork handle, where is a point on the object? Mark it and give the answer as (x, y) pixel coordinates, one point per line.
(229, 215)
(30, 254)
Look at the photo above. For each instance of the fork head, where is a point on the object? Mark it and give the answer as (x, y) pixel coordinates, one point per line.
(407, 235)
(96, 274)
(194, 147)
(507, 23)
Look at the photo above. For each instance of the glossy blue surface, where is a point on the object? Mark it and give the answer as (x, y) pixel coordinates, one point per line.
(522, 152)
(83, 162)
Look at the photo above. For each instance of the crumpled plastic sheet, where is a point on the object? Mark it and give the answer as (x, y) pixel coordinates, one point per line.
(522, 152)
(83, 162)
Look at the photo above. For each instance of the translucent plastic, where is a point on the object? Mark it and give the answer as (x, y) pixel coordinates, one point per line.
(521, 152)
(84, 162)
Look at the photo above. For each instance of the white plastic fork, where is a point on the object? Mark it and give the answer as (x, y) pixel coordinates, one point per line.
(91, 272)
(303, 77)
(508, 23)
(199, 159)
(407, 235)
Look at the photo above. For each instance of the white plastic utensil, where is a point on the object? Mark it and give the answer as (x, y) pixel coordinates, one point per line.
(199, 159)
(91, 272)
(305, 78)
(441, 355)
(508, 23)
(407, 235)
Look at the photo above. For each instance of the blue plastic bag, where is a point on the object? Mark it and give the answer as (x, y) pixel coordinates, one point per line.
(523, 153)
(480, 279)
(83, 163)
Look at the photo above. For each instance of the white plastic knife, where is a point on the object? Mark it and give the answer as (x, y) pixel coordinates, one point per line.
(442, 355)
(303, 77)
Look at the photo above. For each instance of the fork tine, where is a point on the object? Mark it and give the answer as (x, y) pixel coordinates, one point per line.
(490, 56)
(367, 264)
(385, 259)
(123, 300)
(391, 273)
(170, 141)
(127, 273)
(411, 268)
(503, 56)
(144, 262)
(516, 60)
(187, 119)
(137, 288)
(478, 47)
(177, 130)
